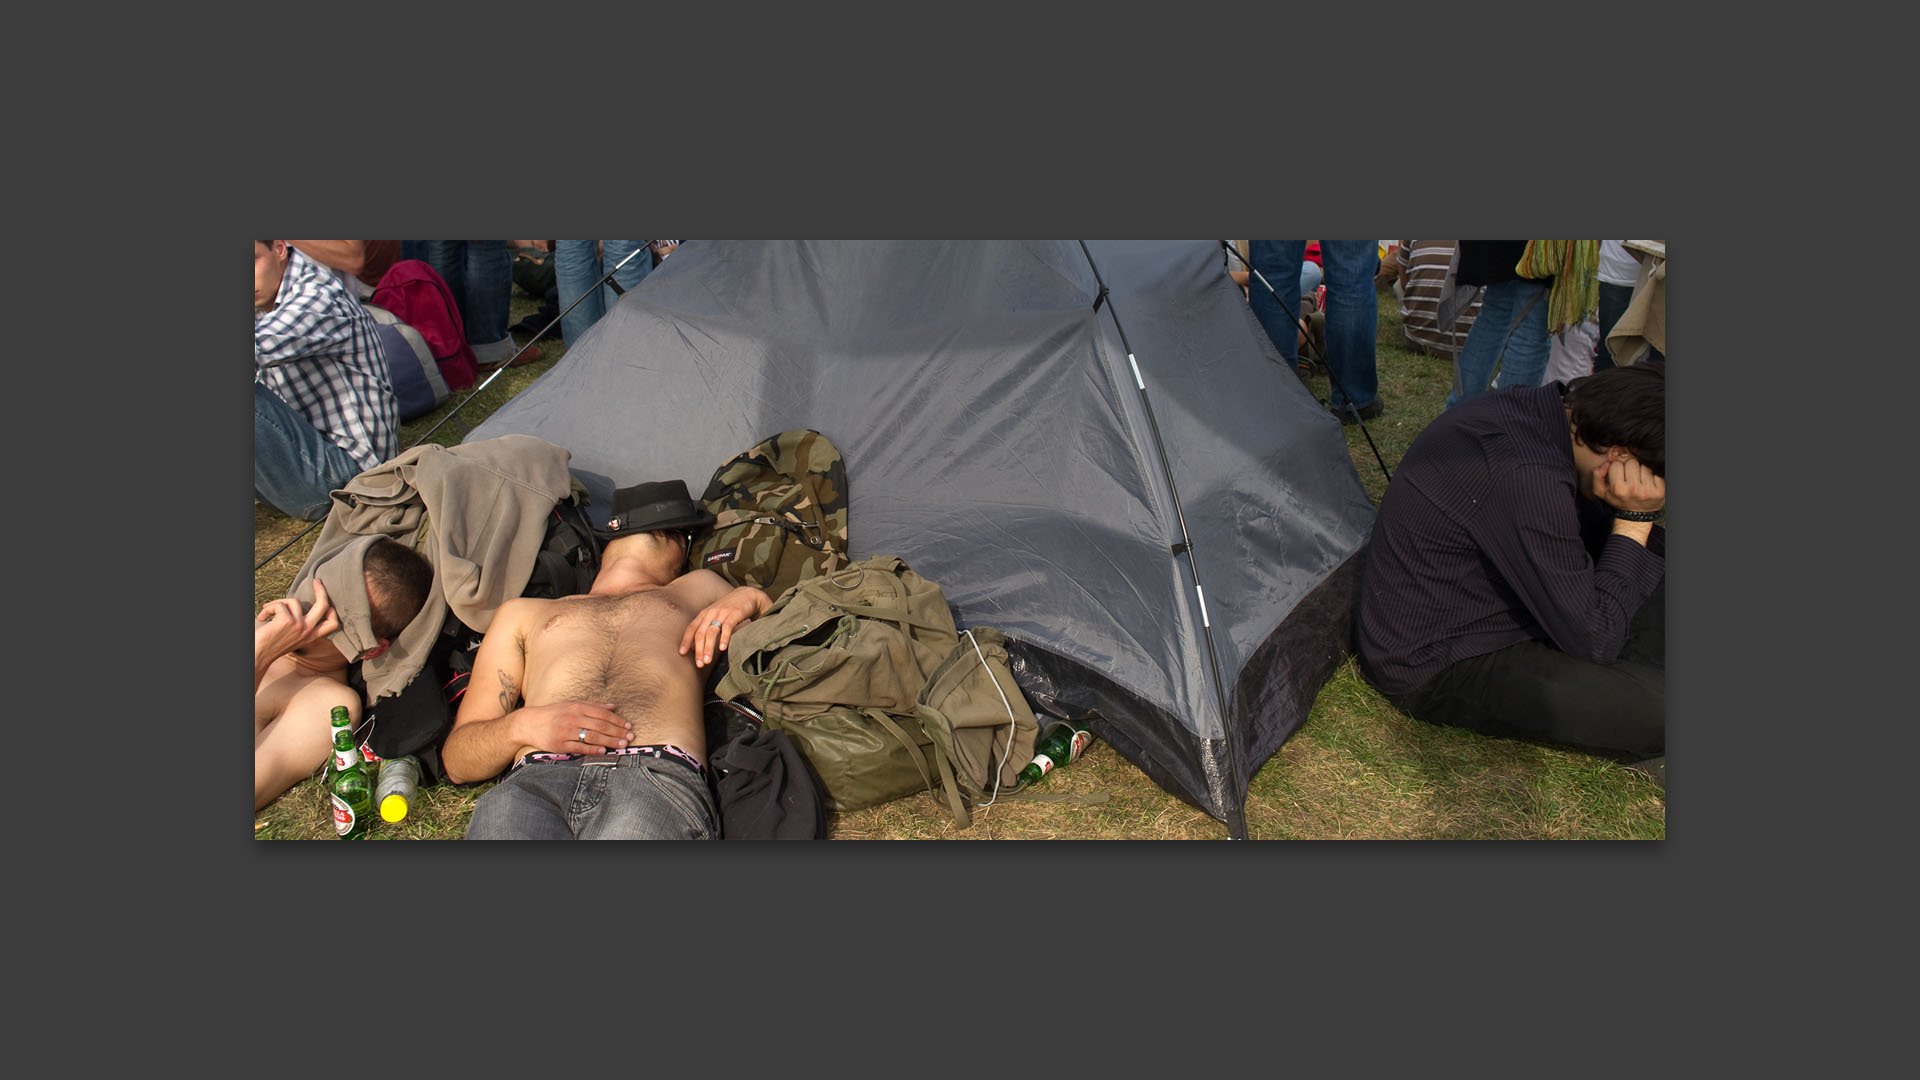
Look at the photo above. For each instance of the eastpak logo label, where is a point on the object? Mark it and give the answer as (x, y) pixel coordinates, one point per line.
(724, 555)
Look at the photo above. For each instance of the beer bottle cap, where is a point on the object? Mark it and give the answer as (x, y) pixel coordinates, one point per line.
(393, 807)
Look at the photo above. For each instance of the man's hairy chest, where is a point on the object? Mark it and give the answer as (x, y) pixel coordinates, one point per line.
(591, 644)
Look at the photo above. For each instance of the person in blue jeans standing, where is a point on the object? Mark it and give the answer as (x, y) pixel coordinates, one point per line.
(1509, 336)
(1353, 315)
(578, 264)
(479, 273)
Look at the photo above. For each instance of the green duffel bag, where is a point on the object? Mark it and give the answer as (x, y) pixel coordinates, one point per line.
(864, 670)
(982, 730)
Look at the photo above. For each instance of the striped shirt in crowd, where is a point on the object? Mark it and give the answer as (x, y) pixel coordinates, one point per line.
(1426, 264)
(1483, 540)
(317, 349)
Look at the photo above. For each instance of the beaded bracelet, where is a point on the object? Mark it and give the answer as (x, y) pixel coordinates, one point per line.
(1637, 515)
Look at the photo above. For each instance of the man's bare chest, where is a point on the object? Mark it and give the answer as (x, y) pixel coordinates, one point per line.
(635, 623)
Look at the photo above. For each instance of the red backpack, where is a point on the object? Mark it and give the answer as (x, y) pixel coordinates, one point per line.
(420, 298)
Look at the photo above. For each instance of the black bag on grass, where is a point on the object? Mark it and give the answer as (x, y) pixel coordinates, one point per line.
(763, 787)
(569, 556)
(417, 719)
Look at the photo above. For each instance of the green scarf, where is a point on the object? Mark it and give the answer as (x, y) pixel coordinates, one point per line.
(1574, 266)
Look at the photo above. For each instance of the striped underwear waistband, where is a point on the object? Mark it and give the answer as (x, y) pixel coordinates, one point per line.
(667, 751)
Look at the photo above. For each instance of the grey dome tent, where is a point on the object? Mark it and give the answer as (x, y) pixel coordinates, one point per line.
(1092, 447)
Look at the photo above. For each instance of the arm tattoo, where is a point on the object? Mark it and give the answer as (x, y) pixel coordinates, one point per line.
(509, 693)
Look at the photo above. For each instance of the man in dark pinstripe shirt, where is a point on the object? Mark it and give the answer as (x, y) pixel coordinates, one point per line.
(1514, 582)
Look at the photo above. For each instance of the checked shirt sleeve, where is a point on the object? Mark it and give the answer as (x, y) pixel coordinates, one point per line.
(298, 329)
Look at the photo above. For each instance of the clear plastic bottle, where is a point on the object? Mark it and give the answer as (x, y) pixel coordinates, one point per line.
(399, 781)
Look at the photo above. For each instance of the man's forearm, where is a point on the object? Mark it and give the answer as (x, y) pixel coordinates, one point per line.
(480, 749)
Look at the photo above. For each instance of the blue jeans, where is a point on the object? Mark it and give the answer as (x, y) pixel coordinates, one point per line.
(616, 798)
(577, 265)
(480, 275)
(1506, 325)
(1353, 311)
(295, 467)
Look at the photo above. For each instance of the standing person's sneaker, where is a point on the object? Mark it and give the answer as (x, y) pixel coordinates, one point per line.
(492, 356)
(1367, 412)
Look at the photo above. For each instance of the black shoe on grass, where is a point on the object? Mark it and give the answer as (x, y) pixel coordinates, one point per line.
(1367, 412)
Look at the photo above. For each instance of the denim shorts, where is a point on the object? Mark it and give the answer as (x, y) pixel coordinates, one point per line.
(604, 797)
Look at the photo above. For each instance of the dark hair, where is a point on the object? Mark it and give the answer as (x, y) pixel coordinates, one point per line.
(398, 580)
(1625, 407)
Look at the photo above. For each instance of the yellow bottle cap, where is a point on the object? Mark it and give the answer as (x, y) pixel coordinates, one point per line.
(393, 807)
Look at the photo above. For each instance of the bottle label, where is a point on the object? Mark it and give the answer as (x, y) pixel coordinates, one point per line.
(1081, 740)
(398, 776)
(342, 816)
(367, 755)
(1045, 763)
(345, 759)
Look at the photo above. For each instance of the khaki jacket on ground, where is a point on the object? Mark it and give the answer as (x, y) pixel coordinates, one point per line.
(477, 511)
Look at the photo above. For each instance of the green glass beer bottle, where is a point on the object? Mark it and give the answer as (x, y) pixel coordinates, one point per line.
(1061, 744)
(349, 787)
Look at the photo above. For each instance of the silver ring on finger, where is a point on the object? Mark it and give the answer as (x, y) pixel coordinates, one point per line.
(715, 625)
(583, 734)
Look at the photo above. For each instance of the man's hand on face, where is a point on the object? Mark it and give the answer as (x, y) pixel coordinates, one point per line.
(281, 627)
(1625, 484)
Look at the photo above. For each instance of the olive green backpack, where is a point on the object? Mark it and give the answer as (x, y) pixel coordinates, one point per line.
(866, 672)
(780, 513)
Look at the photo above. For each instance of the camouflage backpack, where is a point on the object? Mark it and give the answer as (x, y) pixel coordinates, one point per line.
(780, 514)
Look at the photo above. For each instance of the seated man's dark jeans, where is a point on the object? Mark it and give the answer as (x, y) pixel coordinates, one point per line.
(1534, 691)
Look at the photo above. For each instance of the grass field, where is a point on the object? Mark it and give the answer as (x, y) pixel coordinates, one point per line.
(1358, 768)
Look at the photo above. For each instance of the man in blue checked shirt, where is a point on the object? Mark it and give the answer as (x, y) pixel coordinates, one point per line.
(323, 408)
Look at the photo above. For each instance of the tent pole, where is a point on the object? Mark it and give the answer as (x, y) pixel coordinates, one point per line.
(1368, 435)
(604, 280)
(1236, 811)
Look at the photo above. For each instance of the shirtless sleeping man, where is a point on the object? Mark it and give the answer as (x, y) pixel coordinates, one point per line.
(595, 701)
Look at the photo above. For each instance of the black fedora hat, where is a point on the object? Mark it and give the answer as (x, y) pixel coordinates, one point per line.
(662, 504)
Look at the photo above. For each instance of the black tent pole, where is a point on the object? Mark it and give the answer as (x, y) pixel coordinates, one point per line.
(1236, 813)
(607, 279)
(1351, 407)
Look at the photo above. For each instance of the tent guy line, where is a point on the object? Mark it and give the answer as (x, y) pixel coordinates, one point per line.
(1368, 435)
